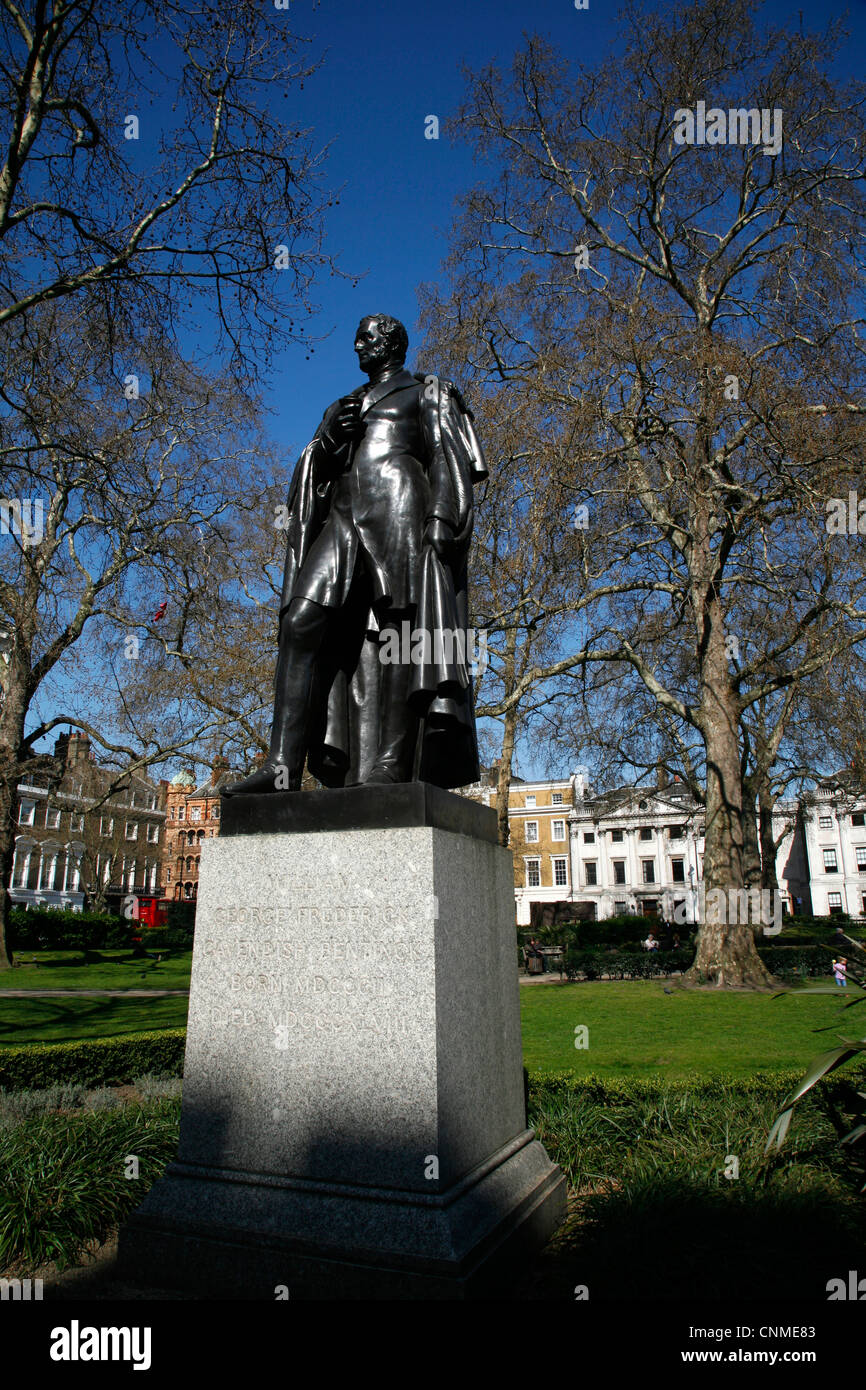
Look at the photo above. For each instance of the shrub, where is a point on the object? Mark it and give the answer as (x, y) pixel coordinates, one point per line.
(621, 965)
(64, 1177)
(795, 962)
(92, 1061)
(152, 1087)
(53, 929)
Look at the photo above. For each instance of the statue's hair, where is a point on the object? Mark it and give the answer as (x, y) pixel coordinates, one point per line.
(394, 331)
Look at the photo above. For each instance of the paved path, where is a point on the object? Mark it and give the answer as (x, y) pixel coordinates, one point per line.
(89, 993)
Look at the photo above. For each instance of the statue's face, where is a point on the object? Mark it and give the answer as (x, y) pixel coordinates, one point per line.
(371, 345)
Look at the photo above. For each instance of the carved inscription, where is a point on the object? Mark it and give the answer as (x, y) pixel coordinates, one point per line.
(330, 984)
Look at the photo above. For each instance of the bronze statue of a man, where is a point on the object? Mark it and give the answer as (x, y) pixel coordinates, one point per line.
(373, 681)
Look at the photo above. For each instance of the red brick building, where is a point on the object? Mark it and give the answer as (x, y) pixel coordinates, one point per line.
(192, 816)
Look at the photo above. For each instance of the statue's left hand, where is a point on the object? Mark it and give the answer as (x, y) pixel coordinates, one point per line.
(439, 535)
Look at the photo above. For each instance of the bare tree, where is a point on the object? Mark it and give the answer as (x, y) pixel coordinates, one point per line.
(695, 306)
(132, 495)
(126, 235)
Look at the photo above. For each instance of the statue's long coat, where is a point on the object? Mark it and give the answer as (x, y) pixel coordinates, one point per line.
(345, 722)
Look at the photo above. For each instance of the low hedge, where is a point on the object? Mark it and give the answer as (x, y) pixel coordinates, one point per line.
(619, 965)
(53, 929)
(626, 1090)
(790, 962)
(92, 1061)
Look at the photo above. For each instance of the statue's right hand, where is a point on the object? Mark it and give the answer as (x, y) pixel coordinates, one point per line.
(344, 423)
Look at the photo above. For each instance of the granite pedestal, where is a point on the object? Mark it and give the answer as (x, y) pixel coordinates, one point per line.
(353, 1121)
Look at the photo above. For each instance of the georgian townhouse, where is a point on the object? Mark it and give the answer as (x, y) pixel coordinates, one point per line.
(79, 845)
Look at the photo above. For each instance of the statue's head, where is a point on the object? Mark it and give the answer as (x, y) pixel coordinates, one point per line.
(381, 341)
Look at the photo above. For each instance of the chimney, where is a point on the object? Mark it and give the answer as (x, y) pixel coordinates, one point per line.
(61, 748)
(79, 749)
(220, 765)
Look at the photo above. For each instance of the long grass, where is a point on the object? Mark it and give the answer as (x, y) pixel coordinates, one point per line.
(64, 1184)
(673, 1197)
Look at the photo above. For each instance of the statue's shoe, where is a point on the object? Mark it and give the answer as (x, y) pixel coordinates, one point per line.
(382, 776)
(270, 777)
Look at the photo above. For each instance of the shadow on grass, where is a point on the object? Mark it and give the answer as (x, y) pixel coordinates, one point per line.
(676, 1241)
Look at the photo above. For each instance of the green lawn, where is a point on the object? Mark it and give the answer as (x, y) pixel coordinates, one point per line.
(635, 1029)
(112, 970)
(65, 1020)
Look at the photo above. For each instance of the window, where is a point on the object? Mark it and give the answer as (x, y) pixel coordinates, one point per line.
(187, 890)
(616, 836)
(589, 837)
(646, 832)
(76, 820)
(649, 870)
(860, 851)
(167, 874)
(559, 830)
(52, 817)
(620, 907)
(215, 812)
(533, 873)
(619, 871)
(27, 813)
(172, 813)
(678, 870)
(590, 873)
(153, 834)
(189, 864)
(195, 813)
(132, 830)
(556, 799)
(200, 836)
(181, 812)
(530, 800)
(676, 832)
(834, 903)
(560, 872)
(106, 825)
(531, 832)
(858, 818)
(830, 865)
(825, 822)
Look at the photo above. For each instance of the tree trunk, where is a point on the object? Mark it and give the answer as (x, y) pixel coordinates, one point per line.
(7, 857)
(503, 786)
(726, 954)
(766, 806)
(13, 713)
(751, 844)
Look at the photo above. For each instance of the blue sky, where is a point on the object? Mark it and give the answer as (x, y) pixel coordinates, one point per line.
(387, 67)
